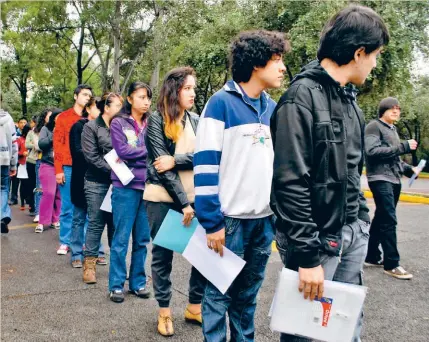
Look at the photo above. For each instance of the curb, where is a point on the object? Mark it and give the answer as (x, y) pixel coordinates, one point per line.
(404, 198)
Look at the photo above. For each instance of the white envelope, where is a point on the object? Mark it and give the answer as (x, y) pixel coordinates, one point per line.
(107, 202)
(22, 171)
(220, 271)
(332, 319)
(121, 169)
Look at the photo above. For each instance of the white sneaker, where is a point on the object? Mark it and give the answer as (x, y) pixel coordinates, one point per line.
(55, 225)
(39, 228)
(36, 219)
(63, 250)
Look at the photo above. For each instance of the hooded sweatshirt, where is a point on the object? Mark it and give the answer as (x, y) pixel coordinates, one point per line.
(128, 142)
(8, 144)
(233, 159)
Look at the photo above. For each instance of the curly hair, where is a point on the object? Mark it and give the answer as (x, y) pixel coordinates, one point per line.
(254, 49)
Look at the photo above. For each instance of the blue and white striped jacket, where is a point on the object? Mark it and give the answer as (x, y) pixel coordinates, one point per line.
(233, 160)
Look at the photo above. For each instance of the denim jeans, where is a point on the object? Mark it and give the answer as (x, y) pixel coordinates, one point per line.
(129, 217)
(5, 183)
(38, 189)
(78, 235)
(251, 240)
(67, 207)
(383, 226)
(97, 219)
(348, 269)
(162, 261)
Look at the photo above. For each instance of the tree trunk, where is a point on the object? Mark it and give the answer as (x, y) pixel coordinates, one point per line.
(117, 48)
(23, 91)
(154, 79)
(79, 68)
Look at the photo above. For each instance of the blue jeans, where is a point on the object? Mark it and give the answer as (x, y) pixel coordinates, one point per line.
(349, 269)
(129, 216)
(67, 207)
(5, 209)
(251, 240)
(37, 190)
(97, 219)
(78, 234)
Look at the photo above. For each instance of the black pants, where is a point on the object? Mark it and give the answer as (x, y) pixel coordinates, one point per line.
(383, 226)
(31, 185)
(162, 260)
(14, 188)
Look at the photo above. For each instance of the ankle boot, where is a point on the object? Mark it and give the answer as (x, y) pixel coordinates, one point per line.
(89, 270)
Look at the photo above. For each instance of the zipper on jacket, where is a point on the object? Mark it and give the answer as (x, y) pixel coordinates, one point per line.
(341, 251)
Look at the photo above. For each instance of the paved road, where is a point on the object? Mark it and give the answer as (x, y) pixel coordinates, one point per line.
(44, 299)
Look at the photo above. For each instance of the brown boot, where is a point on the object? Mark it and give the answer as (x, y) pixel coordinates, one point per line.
(89, 270)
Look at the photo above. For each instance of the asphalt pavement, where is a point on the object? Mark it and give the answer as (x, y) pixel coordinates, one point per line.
(44, 299)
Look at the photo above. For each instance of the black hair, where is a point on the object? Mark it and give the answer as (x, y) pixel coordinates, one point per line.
(34, 118)
(41, 120)
(25, 130)
(80, 87)
(350, 29)
(22, 118)
(51, 123)
(107, 99)
(126, 109)
(93, 100)
(254, 49)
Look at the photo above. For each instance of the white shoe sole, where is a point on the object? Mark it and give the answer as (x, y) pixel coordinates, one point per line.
(62, 252)
(400, 276)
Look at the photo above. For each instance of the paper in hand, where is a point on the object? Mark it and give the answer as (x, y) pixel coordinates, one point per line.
(119, 168)
(107, 202)
(420, 167)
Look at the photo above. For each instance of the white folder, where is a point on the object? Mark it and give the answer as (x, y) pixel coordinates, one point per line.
(119, 168)
(107, 202)
(331, 319)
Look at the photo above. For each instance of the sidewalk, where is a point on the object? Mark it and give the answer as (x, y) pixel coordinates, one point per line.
(417, 193)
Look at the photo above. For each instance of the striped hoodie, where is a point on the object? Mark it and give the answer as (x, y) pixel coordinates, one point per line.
(233, 159)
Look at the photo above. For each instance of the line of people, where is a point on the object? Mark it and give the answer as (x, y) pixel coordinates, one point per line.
(243, 160)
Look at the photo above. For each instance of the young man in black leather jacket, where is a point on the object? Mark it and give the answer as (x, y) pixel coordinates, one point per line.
(318, 132)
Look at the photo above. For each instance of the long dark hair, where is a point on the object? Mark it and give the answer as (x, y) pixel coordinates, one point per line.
(41, 120)
(51, 123)
(25, 130)
(168, 102)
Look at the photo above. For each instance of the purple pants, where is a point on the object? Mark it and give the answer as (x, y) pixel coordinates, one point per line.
(50, 203)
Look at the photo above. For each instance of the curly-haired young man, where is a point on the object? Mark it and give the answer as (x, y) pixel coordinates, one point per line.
(233, 167)
(318, 133)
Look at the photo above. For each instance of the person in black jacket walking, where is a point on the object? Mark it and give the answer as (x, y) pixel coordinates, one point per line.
(90, 112)
(318, 133)
(96, 143)
(384, 169)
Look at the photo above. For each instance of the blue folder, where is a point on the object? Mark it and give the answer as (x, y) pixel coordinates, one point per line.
(173, 234)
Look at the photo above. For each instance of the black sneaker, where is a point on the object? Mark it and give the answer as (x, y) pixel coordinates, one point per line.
(378, 263)
(4, 228)
(141, 293)
(117, 296)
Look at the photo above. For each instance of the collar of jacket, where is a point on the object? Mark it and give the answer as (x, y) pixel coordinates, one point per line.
(100, 122)
(233, 87)
(392, 127)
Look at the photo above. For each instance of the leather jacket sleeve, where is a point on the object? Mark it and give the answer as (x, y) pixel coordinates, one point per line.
(184, 161)
(90, 149)
(292, 132)
(156, 147)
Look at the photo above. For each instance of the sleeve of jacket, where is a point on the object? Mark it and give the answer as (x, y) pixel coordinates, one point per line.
(90, 151)
(408, 169)
(14, 152)
(45, 142)
(185, 161)
(207, 158)
(58, 143)
(374, 148)
(29, 140)
(292, 131)
(154, 140)
(75, 143)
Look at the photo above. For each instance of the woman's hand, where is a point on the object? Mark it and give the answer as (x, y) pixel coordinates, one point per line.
(164, 163)
(188, 215)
